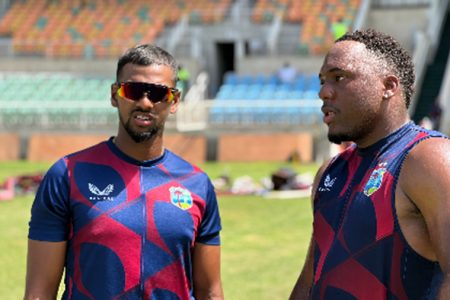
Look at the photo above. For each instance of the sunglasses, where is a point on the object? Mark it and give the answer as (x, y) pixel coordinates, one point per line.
(154, 92)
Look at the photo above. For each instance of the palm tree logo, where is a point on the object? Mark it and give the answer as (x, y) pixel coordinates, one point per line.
(375, 180)
(181, 198)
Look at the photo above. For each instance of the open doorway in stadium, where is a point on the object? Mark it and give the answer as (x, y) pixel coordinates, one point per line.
(225, 59)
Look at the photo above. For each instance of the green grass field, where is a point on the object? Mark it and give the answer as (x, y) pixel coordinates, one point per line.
(264, 241)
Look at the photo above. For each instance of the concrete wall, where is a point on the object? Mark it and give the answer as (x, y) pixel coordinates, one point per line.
(9, 146)
(83, 67)
(48, 147)
(265, 147)
(191, 147)
(271, 64)
(100, 67)
(401, 23)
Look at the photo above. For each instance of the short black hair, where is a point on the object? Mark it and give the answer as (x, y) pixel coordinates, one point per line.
(390, 50)
(146, 55)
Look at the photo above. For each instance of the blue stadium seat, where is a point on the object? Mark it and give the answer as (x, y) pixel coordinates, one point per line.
(310, 95)
(231, 78)
(266, 87)
(296, 95)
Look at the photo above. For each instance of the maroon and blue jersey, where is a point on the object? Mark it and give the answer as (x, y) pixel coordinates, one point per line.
(130, 226)
(359, 249)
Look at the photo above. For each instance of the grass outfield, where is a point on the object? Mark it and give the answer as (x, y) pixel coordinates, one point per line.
(264, 241)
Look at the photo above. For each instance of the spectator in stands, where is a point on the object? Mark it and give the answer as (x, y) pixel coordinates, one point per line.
(127, 218)
(287, 73)
(183, 79)
(256, 46)
(381, 207)
(339, 28)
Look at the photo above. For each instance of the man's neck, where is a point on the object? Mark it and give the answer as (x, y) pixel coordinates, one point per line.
(143, 151)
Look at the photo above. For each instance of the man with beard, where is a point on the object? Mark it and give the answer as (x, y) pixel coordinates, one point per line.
(127, 218)
(381, 207)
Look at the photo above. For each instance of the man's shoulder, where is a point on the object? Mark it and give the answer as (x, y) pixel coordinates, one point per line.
(428, 162)
(95, 149)
(431, 147)
(59, 168)
(425, 133)
(176, 162)
(413, 141)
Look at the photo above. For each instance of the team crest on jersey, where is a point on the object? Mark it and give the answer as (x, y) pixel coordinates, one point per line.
(375, 179)
(180, 197)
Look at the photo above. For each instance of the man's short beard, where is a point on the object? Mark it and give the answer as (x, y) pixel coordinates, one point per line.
(339, 138)
(139, 137)
(354, 135)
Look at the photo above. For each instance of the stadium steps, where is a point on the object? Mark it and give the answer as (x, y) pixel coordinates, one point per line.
(289, 33)
(434, 75)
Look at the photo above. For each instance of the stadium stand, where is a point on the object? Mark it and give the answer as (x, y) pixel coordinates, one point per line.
(234, 99)
(52, 87)
(315, 19)
(97, 28)
(102, 28)
(315, 16)
(54, 100)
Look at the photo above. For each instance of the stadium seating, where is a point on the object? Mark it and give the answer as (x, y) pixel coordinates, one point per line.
(97, 28)
(314, 16)
(265, 87)
(235, 102)
(44, 99)
(52, 86)
(105, 28)
(316, 31)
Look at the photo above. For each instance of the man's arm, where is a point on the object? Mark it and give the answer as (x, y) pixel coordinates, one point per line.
(425, 179)
(304, 282)
(45, 265)
(206, 272)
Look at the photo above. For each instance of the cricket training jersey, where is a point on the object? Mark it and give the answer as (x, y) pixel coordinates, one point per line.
(130, 226)
(359, 249)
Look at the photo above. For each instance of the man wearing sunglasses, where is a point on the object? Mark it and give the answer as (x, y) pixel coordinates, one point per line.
(127, 218)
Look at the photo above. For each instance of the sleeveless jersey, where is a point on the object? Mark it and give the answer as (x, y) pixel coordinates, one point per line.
(360, 251)
(130, 226)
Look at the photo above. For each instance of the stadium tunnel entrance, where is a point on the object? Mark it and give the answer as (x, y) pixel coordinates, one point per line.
(225, 53)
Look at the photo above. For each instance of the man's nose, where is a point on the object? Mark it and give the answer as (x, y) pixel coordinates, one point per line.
(145, 100)
(326, 92)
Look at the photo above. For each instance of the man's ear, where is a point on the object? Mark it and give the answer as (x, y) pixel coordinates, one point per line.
(391, 86)
(175, 102)
(114, 89)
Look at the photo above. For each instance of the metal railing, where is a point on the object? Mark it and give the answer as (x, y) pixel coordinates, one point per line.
(242, 115)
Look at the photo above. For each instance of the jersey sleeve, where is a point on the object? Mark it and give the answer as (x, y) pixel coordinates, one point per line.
(50, 214)
(210, 227)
